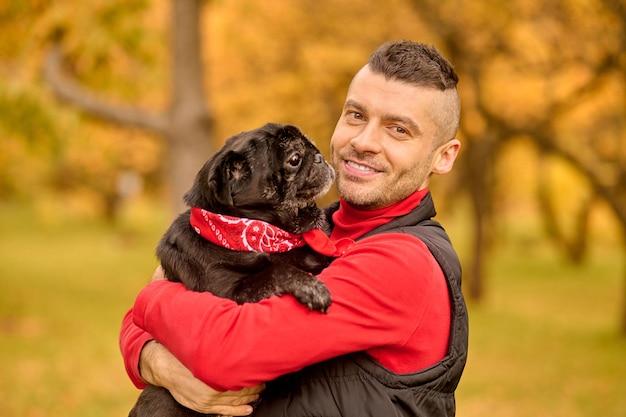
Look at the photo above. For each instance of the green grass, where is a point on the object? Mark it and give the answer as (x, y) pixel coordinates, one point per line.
(544, 342)
(64, 287)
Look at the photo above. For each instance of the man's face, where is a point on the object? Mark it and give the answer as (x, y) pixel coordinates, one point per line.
(384, 146)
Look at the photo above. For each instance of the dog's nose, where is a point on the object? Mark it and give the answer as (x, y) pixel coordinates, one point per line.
(319, 158)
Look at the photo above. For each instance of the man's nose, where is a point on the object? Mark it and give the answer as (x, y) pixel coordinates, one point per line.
(368, 140)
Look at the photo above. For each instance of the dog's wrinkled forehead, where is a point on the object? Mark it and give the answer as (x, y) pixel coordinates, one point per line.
(278, 137)
(281, 134)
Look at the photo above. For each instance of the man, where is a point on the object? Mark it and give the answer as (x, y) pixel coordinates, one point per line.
(394, 341)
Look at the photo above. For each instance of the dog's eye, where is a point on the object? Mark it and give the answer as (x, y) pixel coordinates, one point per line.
(295, 160)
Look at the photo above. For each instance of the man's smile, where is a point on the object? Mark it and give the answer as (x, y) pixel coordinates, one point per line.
(360, 167)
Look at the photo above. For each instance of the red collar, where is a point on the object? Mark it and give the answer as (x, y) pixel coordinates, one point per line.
(251, 235)
(353, 222)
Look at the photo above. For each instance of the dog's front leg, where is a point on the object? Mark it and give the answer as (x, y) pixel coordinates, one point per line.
(280, 279)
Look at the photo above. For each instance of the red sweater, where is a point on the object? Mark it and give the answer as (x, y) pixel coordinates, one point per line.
(390, 299)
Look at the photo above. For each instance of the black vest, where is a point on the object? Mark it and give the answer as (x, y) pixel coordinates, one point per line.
(355, 385)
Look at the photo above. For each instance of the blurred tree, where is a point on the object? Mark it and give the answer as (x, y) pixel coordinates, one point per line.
(572, 53)
(48, 150)
(25, 120)
(186, 124)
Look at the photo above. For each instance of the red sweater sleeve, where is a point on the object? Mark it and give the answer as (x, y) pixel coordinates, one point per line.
(132, 340)
(381, 288)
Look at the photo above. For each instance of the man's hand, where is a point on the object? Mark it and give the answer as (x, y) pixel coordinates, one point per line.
(158, 275)
(159, 367)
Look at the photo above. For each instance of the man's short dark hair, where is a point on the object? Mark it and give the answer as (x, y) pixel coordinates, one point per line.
(414, 63)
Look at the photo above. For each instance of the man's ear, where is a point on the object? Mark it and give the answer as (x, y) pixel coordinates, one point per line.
(445, 156)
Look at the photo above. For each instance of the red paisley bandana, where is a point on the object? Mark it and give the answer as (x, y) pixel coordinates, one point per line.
(242, 234)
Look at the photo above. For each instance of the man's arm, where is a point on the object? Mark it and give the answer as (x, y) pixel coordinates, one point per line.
(230, 346)
(159, 367)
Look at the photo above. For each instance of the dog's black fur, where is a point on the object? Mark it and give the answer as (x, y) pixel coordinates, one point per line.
(273, 173)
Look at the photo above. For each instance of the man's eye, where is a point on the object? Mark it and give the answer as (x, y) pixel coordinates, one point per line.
(354, 115)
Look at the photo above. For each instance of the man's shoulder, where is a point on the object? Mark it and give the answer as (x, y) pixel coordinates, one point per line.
(393, 245)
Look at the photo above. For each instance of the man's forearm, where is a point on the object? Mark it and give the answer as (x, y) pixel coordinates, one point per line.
(159, 367)
(149, 361)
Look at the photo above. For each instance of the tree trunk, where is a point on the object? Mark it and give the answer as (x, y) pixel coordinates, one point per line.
(480, 194)
(476, 272)
(623, 318)
(190, 127)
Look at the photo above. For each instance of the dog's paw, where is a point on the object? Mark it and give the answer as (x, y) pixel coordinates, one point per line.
(314, 295)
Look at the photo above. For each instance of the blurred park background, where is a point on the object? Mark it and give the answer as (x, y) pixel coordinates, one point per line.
(108, 107)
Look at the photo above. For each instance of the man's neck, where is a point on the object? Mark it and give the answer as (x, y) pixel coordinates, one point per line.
(353, 222)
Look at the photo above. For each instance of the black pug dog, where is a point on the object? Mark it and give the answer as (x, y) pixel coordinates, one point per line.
(272, 174)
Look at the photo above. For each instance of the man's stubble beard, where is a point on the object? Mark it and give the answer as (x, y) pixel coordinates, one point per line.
(389, 192)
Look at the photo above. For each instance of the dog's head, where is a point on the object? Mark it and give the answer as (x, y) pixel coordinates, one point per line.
(273, 173)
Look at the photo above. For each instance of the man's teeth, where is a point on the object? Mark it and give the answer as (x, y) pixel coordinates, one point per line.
(360, 167)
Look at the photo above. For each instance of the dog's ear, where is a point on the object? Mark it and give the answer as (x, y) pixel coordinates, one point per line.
(229, 177)
(219, 180)
(199, 193)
